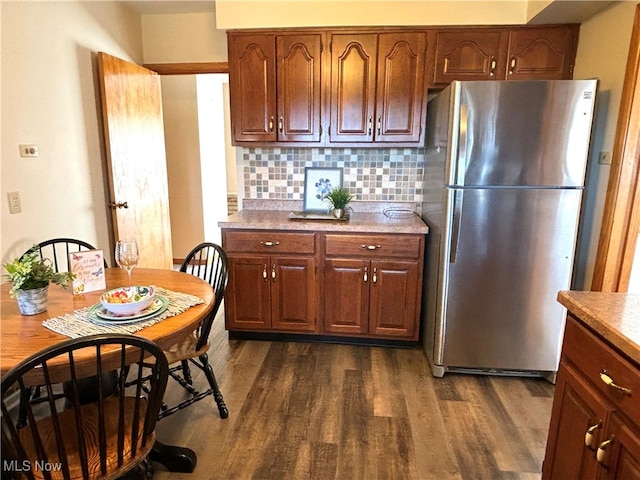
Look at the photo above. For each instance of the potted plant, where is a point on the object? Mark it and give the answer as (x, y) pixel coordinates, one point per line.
(338, 197)
(30, 276)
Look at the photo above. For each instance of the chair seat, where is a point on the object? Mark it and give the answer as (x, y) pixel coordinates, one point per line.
(185, 349)
(90, 427)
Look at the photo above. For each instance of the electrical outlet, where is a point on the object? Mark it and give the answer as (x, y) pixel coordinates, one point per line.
(604, 158)
(28, 150)
(14, 202)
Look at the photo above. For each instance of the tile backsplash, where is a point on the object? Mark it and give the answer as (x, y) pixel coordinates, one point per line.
(380, 174)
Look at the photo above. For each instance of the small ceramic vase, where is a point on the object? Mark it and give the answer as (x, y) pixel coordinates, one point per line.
(34, 301)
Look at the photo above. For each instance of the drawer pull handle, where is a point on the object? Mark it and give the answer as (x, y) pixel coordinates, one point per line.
(588, 437)
(270, 244)
(375, 275)
(273, 273)
(371, 247)
(604, 376)
(366, 274)
(601, 454)
(264, 272)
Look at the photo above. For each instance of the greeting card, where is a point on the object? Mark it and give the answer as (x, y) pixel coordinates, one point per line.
(89, 269)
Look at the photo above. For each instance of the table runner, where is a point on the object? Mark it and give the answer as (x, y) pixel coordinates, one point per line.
(79, 324)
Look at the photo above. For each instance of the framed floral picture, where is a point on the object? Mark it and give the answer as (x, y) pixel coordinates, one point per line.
(319, 181)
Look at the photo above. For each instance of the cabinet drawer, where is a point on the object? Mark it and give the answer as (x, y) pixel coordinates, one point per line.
(593, 357)
(406, 246)
(268, 241)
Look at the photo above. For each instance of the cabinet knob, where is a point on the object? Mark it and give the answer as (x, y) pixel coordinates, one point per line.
(271, 124)
(375, 275)
(264, 271)
(280, 124)
(366, 275)
(492, 68)
(512, 65)
(270, 244)
(601, 454)
(588, 437)
(273, 273)
(604, 376)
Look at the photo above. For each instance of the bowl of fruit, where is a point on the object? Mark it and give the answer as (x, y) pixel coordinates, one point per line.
(127, 300)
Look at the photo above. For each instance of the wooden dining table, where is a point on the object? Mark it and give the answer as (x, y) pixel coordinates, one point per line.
(24, 335)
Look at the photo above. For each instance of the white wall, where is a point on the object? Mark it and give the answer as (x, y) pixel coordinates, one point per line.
(291, 13)
(50, 97)
(182, 138)
(602, 53)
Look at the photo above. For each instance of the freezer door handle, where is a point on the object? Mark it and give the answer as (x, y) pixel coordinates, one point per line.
(461, 162)
(455, 224)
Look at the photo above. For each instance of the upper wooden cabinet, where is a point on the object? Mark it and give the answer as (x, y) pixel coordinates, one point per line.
(275, 87)
(524, 53)
(368, 87)
(377, 87)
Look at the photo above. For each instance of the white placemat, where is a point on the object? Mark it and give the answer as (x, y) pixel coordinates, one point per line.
(79, 323)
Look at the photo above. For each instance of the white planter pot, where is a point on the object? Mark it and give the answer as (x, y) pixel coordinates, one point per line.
(34, 301)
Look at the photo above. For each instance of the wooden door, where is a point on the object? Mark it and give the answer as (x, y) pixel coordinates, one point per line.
(136, 159)
(470, 55)
(299, 70)
(577, 409)
(353, 87)
(247, 302)
(252, 87)
(395, 288)
(542, 53)
(346, 296)
(400, 87)
(293, 294)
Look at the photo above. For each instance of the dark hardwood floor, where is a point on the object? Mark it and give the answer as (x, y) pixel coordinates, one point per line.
(320, 411)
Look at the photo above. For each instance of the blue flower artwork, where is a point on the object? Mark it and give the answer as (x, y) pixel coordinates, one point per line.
(323, 187)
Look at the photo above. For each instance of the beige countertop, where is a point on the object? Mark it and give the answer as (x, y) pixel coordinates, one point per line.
(364, 219)
(615, 316)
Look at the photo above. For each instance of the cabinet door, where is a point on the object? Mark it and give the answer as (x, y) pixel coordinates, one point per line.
(346, 296)
(247, 298)
(470, 55)
(293, 294)
(353, 87)
(394, 299)
(577, 409)
(298, 82)
(252, 88)
(400, 87)
(621, 459)
(542, 53)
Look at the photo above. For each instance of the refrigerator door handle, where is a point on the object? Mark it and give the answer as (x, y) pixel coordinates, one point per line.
(461, 162)
(455, 224)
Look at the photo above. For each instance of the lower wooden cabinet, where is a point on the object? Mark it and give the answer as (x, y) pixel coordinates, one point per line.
(318, 283)
(595, 421)
(272, 281)
(371, 297)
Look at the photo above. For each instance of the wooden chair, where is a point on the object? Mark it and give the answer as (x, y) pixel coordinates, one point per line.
(209, 262)
(104, 432)
(58, 250)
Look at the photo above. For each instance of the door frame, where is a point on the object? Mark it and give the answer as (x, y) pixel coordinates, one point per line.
(621, 217)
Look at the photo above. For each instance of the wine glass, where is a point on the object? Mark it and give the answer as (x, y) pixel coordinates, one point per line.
(127, 256)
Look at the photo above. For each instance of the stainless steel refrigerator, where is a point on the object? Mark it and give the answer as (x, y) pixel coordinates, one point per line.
(503, 186)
